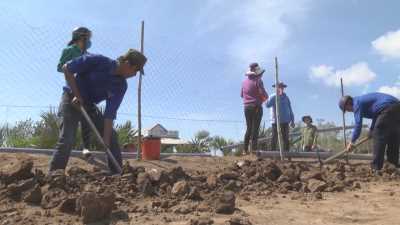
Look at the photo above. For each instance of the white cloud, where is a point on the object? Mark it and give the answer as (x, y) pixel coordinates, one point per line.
(391, 90)
(358, 74)
(257, 28)
(388, 45)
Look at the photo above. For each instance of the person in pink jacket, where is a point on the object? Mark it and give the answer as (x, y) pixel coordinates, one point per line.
(253, 94)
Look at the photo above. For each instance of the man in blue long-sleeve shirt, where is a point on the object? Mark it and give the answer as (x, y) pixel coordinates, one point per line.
(97, 79)
(384, 111)
(286, 117)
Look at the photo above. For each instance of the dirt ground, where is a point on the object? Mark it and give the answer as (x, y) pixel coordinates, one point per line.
(200, 192)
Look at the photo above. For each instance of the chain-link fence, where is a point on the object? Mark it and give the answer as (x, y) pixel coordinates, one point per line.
(180, 90)
(185, 89)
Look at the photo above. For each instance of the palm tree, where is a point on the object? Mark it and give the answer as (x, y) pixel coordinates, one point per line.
(126, 133)
(47, 129)
(20, 135)
(218, 142)
(3, 131)
(201, 140)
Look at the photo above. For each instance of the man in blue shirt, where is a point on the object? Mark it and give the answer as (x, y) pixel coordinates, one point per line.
(97, 79)
(384, 111)
(286, 117)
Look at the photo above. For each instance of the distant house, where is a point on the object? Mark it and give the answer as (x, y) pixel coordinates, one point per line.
(156, 131)
(168, 137)
(159, 131)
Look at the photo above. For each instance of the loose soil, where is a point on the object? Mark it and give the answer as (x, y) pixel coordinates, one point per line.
(196, 191)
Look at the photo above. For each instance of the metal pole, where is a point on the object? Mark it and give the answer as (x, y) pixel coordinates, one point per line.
(344, 122)
(139, 144)
(277, 110)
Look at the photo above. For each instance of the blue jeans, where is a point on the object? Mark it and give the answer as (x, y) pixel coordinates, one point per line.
(69, 126)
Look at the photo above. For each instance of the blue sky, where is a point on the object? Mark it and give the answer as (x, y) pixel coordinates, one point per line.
(198, 52)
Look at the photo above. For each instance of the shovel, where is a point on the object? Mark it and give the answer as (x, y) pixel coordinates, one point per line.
(100, 139)
(339, 154)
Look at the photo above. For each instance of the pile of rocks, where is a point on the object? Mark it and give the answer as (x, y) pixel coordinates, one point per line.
(93, 195)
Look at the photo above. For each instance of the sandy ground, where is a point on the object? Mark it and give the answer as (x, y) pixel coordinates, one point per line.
(375, 203)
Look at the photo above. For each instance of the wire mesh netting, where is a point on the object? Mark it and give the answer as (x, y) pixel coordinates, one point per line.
(180, 91)
(186, 88)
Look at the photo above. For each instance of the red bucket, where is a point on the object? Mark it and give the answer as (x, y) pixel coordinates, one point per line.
(151, 148)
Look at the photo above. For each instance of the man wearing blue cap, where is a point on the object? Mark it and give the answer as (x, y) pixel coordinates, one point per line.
(97, 79)
(384, 111)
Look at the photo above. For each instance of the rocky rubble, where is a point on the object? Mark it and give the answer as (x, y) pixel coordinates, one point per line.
(93, 196)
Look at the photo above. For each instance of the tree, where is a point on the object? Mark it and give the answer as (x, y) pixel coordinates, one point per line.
(20, 135)
(3, 131)
(199, 143)
(46, 131)
(329, 140)
(189, 148)
(201, 140)
(218, 142)
(126, 133)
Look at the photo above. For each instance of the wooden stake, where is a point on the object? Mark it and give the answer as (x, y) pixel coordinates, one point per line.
(139, 144)
(277, 110)
(344, 123)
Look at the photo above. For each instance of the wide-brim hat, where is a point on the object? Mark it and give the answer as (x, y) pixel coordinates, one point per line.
(255, 69)
(306, 117)
(281, 85)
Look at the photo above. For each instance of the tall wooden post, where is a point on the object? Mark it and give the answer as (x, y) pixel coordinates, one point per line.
(139, 144)
(277, 110)
(344, 121)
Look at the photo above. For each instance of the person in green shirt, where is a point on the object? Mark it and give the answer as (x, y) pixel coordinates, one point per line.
(78, 46)
(308, 135)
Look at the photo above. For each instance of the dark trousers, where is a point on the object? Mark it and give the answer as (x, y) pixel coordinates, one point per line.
(253, 116)
(386, 135)
(285, 137)
(85, 129)
(85, 133)
(70, 120)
